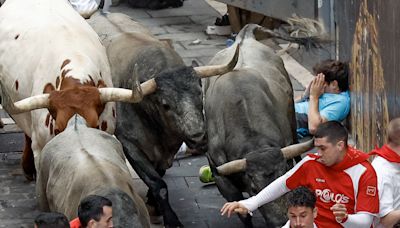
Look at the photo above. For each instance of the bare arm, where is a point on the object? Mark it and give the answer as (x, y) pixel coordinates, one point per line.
(391, 218)
(316, 90)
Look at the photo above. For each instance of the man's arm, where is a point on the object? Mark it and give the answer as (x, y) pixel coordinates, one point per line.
(387, 213)
(273, 191)
(391, 218)
(359, 220)
(316, 90)
(270, 193)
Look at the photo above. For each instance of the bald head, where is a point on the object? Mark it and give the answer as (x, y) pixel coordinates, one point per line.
(394, 132)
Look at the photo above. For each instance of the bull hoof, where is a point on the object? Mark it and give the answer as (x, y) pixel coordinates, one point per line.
(193, 152)
(156, 219)
(172, 221)
(174, 226)
(30, 176)
(152, 210)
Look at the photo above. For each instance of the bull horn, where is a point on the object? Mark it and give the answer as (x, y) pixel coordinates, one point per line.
(127, 95)
(30, 103)
(232, 167)
(208, 71)
(294, 150)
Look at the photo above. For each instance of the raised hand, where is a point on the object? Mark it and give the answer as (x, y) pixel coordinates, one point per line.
(317, 85)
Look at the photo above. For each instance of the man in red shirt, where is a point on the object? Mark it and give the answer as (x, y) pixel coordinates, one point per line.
(93, 212)
(387, 166)
(341, 177)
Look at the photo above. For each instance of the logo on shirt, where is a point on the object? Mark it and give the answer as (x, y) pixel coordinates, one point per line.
(319, 180)
(326, 196)
(371, 190)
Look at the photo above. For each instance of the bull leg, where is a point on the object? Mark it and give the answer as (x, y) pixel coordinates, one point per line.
(41, 194)
(231, 193)
(153, 180)
(273, 213)
(27, 160)
(151, 201)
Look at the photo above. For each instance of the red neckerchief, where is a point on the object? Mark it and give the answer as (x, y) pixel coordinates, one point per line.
(75, 223)
(386, 153)
(351, 158)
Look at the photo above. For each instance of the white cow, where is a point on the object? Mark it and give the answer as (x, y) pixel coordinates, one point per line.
(73, 167)
(47, 50)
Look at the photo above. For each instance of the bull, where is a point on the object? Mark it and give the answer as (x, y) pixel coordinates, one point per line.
(51, 58)
(250, 122)
(74, 167)
(152, 131)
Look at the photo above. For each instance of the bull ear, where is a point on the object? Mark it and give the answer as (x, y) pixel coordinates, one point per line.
(167, 43)
(195, 63)
(208, 71)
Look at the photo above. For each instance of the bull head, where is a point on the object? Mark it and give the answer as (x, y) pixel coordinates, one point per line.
(288, 152)
(120, 94)
(106, 95)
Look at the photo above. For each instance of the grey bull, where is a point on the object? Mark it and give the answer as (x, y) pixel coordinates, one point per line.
(250, 117)
(82, 161)
(152, 131)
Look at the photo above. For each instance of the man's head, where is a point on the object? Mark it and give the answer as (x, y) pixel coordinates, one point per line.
(394, 132)
(336, 75)
(301, 208)
(331, 142)
(50, 220)
(95, 212)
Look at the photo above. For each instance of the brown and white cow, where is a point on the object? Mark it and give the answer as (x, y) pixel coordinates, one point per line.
(49, 54)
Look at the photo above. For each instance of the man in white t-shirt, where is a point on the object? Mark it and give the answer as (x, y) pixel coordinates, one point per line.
(387, 167)
(85, 7)
(301, 208)
(88, 7)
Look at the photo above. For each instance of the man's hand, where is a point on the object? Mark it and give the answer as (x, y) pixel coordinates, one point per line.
(233, 207)
(317, 86)
(340, 212)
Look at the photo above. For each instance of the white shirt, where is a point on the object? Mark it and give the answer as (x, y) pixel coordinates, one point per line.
(287, 225)
(388, 174)
(85, 7)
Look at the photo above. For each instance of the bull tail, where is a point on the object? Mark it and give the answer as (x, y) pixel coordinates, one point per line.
(76, 121)
(303, 31)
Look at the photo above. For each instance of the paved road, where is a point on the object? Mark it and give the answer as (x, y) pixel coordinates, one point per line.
(196, 204)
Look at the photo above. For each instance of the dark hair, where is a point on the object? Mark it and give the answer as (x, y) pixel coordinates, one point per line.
(91, 207)
(334, 70)
(394, 132)
(333, 130)
(301, 197)
(51, 220)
